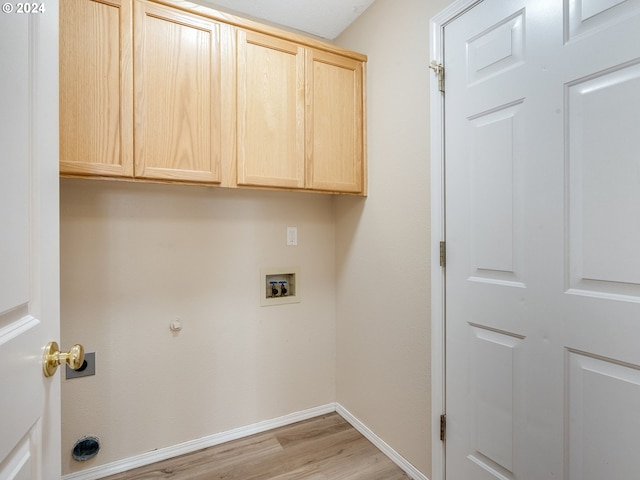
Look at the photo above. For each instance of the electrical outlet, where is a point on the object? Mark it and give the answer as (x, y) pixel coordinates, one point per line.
(87, 369)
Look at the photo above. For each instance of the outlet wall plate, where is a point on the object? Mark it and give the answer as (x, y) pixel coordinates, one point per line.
(88, 367)
(277, 277)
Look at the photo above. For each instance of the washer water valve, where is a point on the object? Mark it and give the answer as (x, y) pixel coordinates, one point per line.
(279, 286)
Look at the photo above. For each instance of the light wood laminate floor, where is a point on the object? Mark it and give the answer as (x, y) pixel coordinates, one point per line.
(322, 448)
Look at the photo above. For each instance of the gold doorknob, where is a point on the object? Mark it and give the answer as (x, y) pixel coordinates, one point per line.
(52, 357)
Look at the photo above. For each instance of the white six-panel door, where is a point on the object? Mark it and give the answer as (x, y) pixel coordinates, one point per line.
(29, 272)
(542, 194)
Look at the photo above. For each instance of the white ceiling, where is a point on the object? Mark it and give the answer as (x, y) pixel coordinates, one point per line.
(323, 18)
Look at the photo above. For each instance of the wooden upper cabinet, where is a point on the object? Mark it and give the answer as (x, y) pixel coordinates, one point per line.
(334, 123)
(96, 95)
(177, 71)
(300, 116)
(270, 114)
(172, 91)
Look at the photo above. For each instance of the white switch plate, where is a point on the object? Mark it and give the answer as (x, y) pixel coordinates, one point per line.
(292, 235)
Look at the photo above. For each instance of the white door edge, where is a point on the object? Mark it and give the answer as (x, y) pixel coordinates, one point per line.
(436, 102)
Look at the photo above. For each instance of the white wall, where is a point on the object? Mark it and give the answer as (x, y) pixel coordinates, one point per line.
(136, 256)
(382, 246)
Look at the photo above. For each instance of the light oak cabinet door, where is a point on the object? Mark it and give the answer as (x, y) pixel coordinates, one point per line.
(96, 93)
(334, 123)
(270, 115)
(300, 116)
(177, 95)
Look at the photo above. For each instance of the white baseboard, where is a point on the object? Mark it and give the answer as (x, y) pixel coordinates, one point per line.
(148, 458)
(198, 444)
(398, 459)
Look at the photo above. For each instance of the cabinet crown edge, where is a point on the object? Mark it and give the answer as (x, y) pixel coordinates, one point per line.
(302, 38)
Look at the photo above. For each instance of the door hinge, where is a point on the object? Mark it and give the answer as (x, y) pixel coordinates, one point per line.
(443, 427)
(438, 69)
(443, 254)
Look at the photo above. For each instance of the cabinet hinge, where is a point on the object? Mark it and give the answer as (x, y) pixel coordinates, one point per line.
(438, 69)
(443, 427)
(443, 254)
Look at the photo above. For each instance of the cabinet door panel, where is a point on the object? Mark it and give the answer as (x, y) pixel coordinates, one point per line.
(96, 97)
(270, 111)
(334, 122)
(177, 88)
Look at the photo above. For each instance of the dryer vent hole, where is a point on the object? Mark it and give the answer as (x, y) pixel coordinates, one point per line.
(86, 448)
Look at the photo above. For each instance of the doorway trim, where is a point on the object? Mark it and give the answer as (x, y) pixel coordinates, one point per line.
(438, 234)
